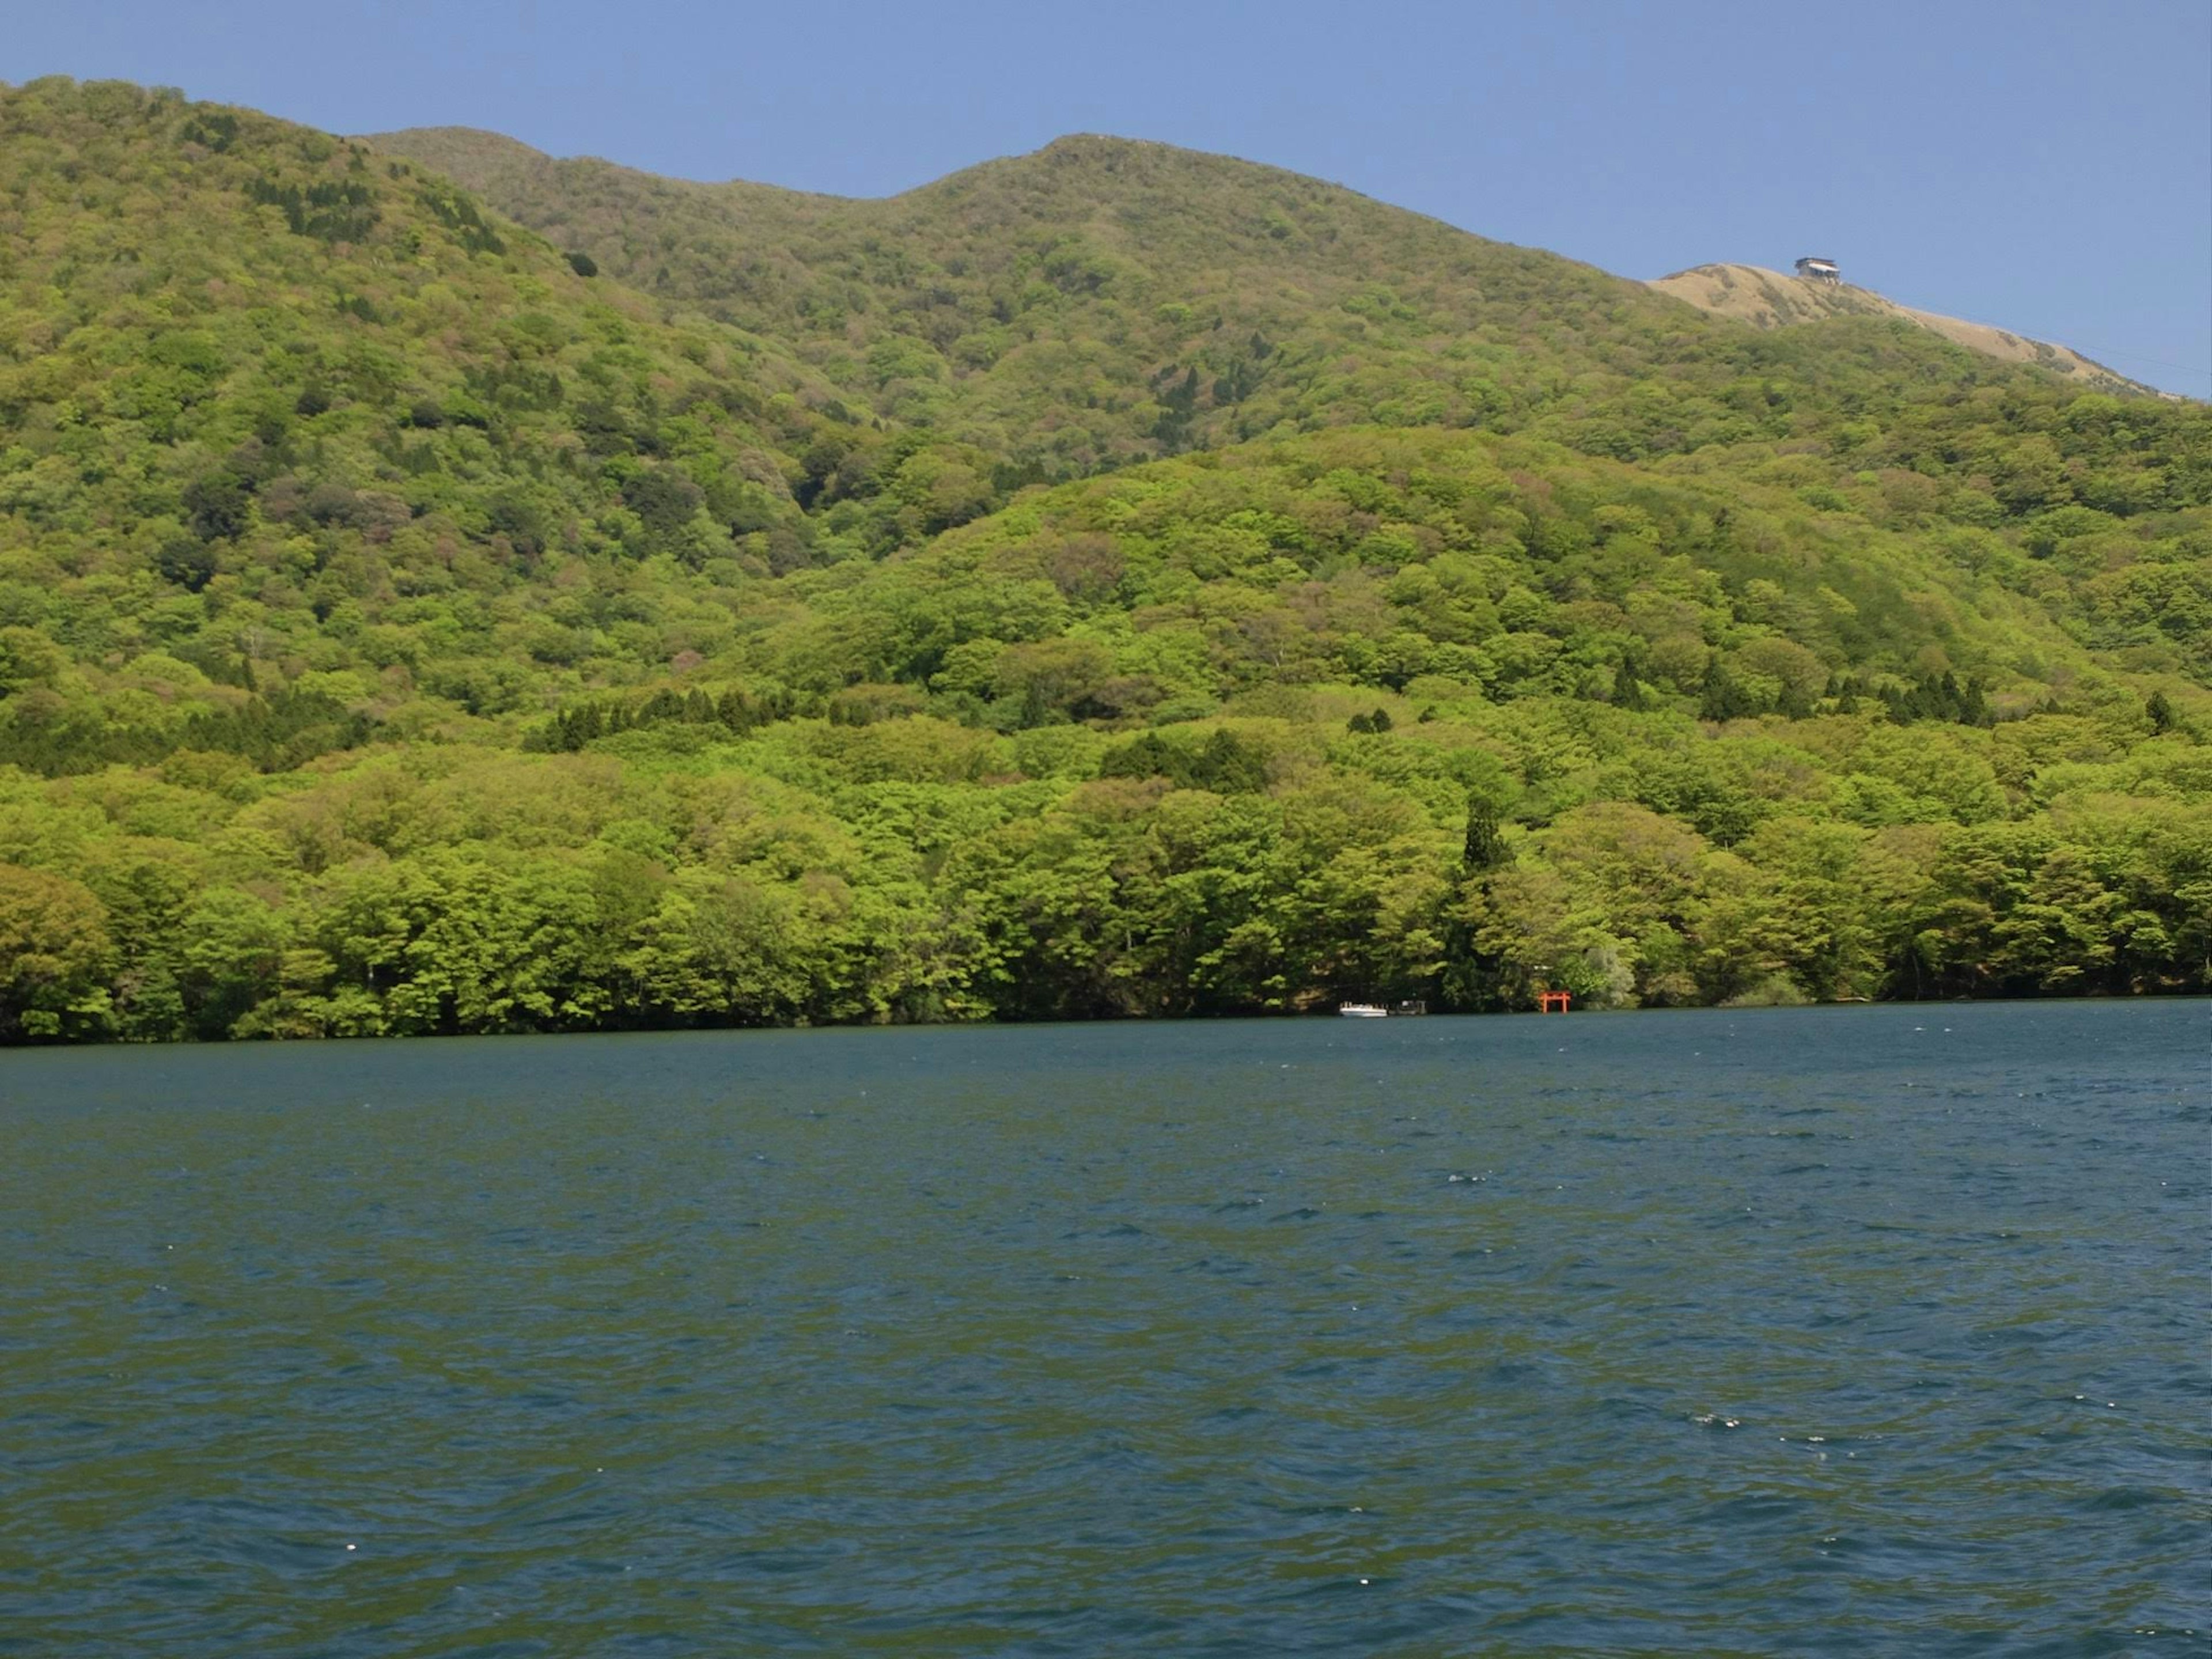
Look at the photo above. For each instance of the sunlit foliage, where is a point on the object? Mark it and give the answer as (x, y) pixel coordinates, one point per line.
(1108, 583)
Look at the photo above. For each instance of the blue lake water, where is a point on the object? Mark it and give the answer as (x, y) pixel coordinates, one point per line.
(1838, 1331)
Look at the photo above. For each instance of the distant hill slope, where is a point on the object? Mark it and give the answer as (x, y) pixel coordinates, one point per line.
(1769, 298)
(1102, 301)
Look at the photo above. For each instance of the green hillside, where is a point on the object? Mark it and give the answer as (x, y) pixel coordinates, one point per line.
(1102, 299)
(1110, 581)
(960, 314)
(277, 408)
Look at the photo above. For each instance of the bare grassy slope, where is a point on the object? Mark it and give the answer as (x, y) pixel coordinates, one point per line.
(1768, 299)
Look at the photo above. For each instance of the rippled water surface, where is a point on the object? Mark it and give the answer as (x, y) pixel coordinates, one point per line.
(1843, 1331)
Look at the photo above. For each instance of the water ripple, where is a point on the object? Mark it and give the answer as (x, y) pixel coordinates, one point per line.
(1748, 1333)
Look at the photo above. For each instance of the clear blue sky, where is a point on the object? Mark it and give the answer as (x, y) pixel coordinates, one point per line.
(2045, 165)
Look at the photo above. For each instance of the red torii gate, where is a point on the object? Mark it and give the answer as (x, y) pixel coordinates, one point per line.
(1550, 1002)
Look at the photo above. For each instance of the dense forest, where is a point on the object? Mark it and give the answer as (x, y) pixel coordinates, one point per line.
(444, 590)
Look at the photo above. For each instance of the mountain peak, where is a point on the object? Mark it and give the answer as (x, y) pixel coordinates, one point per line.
(483, 137)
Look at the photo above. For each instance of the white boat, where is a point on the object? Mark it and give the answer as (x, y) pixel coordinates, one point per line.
(1363, 1010)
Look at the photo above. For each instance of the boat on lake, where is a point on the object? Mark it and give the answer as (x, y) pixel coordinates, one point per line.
(1379, 1010)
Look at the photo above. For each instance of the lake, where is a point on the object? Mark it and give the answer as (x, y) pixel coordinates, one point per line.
(1826, 1331)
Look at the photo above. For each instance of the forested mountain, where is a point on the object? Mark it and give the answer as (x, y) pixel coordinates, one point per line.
(1107, 581)
(1102, 299)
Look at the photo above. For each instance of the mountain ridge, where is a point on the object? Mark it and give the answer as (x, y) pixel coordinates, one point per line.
(499, 165)
(1027, 275)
